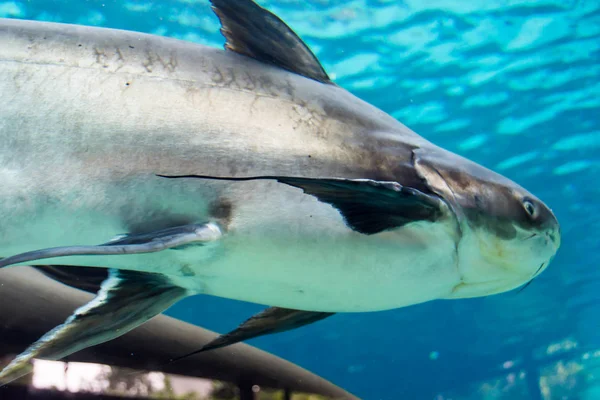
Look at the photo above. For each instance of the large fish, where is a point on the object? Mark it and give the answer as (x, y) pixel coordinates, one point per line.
(245, 173)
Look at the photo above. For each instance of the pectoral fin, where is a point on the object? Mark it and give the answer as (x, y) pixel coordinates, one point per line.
(171, 238)
(368, 206)
(126, 300)
(271, 320)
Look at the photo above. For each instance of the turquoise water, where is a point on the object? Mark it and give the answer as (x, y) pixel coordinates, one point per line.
(511, 84)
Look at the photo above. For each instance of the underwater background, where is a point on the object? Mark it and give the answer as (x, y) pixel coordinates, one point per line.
(511, 84)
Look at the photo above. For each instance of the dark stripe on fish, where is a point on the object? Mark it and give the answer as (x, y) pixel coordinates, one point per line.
(368, 206)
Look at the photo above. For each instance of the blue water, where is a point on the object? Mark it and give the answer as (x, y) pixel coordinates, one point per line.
(511, 84)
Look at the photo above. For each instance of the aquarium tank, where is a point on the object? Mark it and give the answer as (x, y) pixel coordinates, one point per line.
(513, 85)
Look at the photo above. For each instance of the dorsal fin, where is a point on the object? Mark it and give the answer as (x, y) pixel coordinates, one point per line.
(255, 32)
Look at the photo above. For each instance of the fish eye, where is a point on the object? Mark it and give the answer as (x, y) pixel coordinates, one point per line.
(529, 207)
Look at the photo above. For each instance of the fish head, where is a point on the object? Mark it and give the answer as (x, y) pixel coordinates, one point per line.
(508, 235)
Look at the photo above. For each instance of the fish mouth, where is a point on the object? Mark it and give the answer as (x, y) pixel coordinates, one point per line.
(530, 236)
(490, 266)
(548, 235)
(549, 243)
(465, 290)
(478, 289)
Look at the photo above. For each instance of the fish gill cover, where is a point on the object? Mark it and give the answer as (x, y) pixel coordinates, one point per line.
(511, 84)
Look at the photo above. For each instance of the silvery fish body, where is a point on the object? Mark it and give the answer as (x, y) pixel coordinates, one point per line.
(309, 198)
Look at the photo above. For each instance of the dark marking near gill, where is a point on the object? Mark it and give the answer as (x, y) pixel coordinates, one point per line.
(481, 210)
(252, 31)
(461, 180)
(367, 206)
(479, 217)
(501, 227)
(269, 321)
(221, 210)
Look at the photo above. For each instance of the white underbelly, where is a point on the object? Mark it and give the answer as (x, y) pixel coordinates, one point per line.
(351, 273)
(323, 272)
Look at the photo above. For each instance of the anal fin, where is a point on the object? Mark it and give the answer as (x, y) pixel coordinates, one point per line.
(266, 322)
(125, 300)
